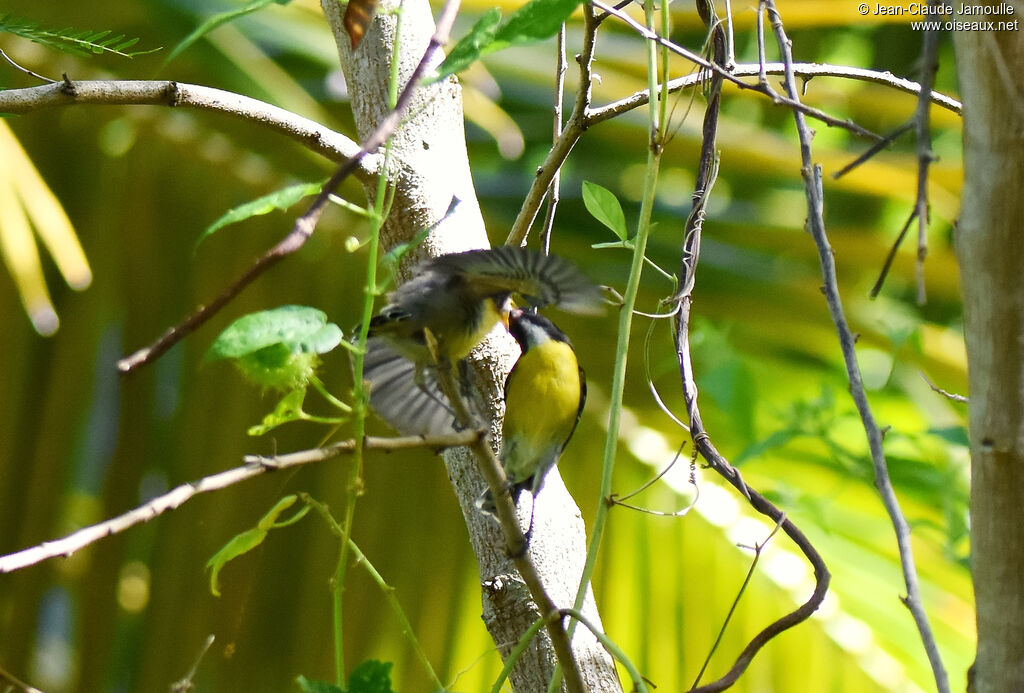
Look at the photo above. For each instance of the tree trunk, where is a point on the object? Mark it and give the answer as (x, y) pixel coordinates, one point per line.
(429, 168)
(990, 247)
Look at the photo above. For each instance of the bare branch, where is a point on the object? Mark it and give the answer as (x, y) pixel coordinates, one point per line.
(729, 76)
(803, 70)
(816, 225)
(310, 134)
(758, 548)
(922, 120)
(306, 224)
(27, 71)
(891, 256)
(948, 395)
(254, 466)
(553, 189)
(874, 149)
(573, 130)
(702, 442)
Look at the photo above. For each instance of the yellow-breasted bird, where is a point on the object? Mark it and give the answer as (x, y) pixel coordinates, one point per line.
(544, 397)
(458, 298)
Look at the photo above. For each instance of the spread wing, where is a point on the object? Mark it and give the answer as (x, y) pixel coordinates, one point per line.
(541, 280)
(410, 401)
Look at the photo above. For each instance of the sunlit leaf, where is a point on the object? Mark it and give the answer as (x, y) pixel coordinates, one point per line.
(605, 207)
(471, 46)
(277, 348)
(80, 42)
(287, 410)
(248, 540)
(216, 20)
(535, 21)
(279, 199)
(297, 328)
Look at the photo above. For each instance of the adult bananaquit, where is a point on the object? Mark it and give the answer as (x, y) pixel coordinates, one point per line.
(544, 397)
(458, 298)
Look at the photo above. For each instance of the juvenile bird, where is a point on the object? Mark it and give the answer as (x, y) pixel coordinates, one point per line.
(544, 397)
(458, 298)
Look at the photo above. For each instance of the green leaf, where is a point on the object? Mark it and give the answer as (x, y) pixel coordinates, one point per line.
(251, 538)
(605, 207)
(299, 329)
(215, 21)
(279, 199)
(80, 42)
(277, 348)
(471, 46)
(535, 21)
(287, 410)
(370, 676)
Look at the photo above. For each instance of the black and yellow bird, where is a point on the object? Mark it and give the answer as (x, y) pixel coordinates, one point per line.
(544, 397)
(457, 298)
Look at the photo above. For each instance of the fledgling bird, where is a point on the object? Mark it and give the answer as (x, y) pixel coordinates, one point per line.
(458, 298)
(544, 397)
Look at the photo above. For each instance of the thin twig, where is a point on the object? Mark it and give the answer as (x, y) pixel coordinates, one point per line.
(874, 149)
(804, 70)
(254, 466)
(758, 548)
(185, 684)
(640, 684)
(27, 71)
(387, 590)
(574, 128)
(556, 179)
(15, 683)
(816, 225)
(616, 499)
(922, 119)
(761, 504)
(948, 395)
(891, 256)
(306, 224)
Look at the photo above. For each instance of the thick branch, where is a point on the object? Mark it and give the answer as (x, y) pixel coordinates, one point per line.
(310, 134)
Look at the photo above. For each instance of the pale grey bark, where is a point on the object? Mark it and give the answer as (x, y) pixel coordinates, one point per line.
(429, 168)
(990, 247)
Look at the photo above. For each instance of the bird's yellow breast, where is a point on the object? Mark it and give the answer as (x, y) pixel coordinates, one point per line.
(542, 404)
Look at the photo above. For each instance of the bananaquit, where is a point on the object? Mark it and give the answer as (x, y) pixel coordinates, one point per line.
(544, 397)
(458, 298)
